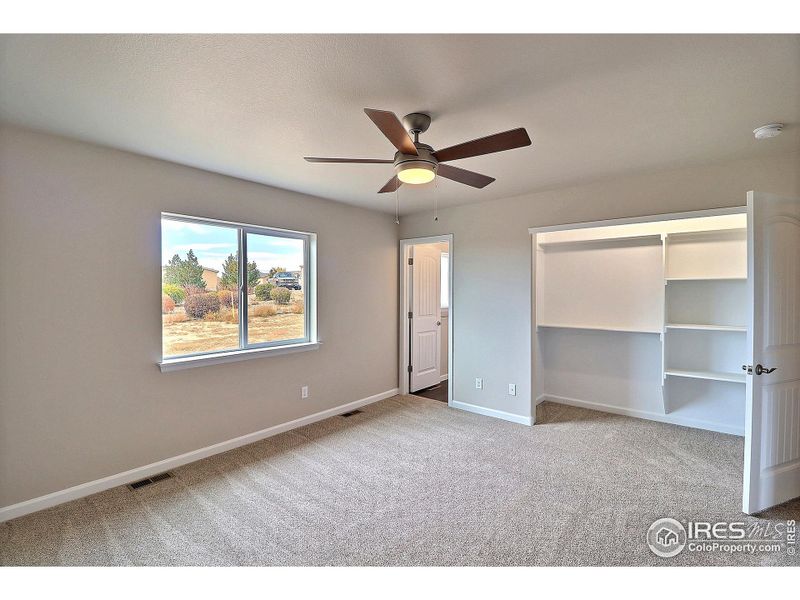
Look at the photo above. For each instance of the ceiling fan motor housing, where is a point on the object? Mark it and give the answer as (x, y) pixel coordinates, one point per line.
(416, 122)
(424, 157)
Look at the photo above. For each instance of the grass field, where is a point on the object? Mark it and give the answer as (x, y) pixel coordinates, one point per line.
(188, 336)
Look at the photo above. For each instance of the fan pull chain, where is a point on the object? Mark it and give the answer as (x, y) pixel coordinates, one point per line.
(436, 199)
(397, 205)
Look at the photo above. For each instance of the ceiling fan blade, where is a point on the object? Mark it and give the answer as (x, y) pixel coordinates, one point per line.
(393, 129)
(321, 159)
(463, 176)
(508, 140)
(391, 185)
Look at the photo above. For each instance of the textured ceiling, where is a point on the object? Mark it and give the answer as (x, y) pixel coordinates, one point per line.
(252, 106)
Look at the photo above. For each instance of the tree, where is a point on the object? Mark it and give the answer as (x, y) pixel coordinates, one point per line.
(184, 273)
(230, 273)
(252, 274)
(274, 270)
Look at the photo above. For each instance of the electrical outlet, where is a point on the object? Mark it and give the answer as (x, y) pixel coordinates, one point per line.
(304, 391)
(512, 389)
(478, 383)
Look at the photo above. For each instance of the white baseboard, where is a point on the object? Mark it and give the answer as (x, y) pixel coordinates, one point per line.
(443, 378)
(643, 414)
(98, 485)
(491, 412)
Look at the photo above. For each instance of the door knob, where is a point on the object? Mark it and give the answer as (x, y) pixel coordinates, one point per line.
(438, 322)
(760, 370)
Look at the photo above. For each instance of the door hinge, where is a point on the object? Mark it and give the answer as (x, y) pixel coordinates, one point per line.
(410, 262)
(410, 315)
(410, 368)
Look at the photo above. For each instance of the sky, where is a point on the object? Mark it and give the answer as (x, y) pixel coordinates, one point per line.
(212, 245)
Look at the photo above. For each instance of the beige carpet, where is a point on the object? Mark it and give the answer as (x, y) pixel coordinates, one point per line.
(413, 482)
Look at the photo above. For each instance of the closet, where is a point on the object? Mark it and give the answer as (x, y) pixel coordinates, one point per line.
(645, 319)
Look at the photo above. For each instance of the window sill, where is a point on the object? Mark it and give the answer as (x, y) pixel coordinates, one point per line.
(189, 362)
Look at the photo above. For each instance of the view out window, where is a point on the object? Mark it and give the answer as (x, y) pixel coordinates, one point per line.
(211, 269)
(445, 286)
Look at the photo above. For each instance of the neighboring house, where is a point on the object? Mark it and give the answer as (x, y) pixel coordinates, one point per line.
(211, 277)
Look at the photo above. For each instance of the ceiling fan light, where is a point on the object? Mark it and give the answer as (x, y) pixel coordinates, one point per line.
(416, 172)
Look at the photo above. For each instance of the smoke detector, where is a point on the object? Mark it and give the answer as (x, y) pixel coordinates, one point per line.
(768, 131)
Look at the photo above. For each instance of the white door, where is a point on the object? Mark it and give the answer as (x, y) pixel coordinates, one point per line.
(426, 320)
(772, 416)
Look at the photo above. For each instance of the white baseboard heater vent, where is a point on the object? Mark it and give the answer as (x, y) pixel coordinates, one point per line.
(149, 481)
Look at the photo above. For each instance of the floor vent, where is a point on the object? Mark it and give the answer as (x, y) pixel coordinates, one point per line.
(351, 413)
(150, 480)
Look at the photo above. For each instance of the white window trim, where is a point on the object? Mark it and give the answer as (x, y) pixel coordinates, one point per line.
(218, 358)
(310, 342)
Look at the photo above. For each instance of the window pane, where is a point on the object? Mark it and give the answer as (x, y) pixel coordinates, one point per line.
(199, 302)
(445, 287)
(276, 289)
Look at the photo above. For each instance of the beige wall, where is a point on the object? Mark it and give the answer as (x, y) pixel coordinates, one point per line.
(491, 258)
(80, 394)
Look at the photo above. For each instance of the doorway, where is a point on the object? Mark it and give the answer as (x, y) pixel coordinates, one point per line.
(426, 317)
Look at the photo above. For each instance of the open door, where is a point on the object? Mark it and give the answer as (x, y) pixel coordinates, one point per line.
(426, 320)
(772, 416)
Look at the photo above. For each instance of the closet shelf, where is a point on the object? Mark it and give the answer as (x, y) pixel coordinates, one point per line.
(611, 241)
(669, 279)
(711, 375)
(737, 231)
(704, 327)
(593, 328)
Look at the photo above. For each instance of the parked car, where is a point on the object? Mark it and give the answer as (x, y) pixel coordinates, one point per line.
(287, 280)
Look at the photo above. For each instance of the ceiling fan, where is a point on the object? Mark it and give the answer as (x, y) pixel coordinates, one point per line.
(415, 162)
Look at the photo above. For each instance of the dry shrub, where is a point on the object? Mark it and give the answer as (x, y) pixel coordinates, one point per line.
(167, 304)
(199, 305)
(263, 310)
(262, 291)
(221, 316)
(174, 291)
(191, 290)
(228, 298)
(280, 295)
(175, 318)
(297, 307)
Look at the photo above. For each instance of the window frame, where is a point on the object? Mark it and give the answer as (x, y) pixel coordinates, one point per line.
(252, 350)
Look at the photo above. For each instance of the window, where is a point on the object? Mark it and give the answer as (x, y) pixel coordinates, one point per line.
(445, 286)
(230, 288)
